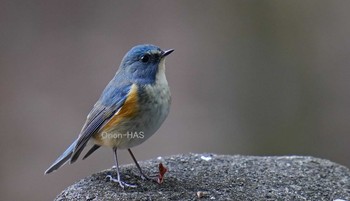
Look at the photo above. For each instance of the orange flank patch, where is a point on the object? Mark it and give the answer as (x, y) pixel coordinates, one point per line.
(128, 110)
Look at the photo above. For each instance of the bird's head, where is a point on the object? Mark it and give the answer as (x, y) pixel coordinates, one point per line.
(143, 62)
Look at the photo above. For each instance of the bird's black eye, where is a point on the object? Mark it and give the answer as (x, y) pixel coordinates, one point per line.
(145, 58)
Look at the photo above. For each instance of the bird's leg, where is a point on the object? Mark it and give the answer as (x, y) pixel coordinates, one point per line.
(143, 176)
(118, 179)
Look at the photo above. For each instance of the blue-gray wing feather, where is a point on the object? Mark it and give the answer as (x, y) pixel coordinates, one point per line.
(109, 103)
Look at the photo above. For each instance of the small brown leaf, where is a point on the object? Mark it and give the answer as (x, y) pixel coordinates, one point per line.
(162, 171)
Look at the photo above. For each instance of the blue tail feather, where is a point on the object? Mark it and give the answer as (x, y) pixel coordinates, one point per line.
(62, 159)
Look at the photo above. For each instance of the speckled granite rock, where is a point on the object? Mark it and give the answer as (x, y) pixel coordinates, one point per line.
(222, 177)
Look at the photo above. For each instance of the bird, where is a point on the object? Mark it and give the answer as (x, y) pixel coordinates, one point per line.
(131, 108)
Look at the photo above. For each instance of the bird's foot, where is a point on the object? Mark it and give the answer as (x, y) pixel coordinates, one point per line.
(121, 183)
(153, 178)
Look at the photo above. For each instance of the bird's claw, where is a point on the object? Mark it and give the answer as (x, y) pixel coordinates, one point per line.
(121, 183)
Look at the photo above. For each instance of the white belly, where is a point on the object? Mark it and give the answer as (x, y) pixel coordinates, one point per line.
(153, 112)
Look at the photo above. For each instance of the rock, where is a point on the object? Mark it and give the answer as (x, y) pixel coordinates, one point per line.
(222, 177)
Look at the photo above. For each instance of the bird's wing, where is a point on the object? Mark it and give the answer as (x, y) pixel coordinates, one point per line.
(111, 100)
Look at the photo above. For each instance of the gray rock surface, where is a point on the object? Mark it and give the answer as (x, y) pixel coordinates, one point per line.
(222, 177)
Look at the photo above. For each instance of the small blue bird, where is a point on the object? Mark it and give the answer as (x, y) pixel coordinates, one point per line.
(130, 109)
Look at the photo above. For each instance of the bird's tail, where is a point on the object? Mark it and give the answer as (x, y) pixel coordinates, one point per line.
(63, 159)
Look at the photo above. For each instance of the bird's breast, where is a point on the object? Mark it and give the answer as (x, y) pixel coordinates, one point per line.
(143, 112)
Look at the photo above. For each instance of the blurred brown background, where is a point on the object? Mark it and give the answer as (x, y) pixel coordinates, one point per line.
(247, 77)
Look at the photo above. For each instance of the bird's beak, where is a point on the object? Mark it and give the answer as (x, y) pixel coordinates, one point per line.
(167, 52)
